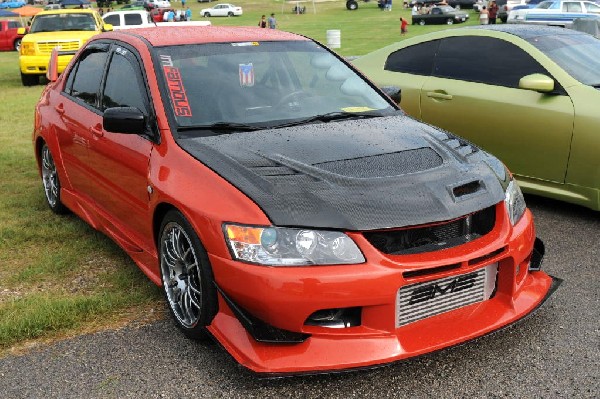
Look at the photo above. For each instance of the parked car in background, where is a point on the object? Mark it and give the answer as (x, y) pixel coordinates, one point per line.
(128, 19)
(528, 95)
(555, 13)
(440, 15)
(287, 208)
(12, 4)
(157, 14)
(221, 10)
(135, 5)
(143, 19)
(10, 38)
(527, 4)
(150, 4)
(67, 29)
(461, 4)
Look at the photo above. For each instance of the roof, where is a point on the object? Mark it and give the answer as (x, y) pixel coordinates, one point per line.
(68, 11)
(526, 31)
(175, 35)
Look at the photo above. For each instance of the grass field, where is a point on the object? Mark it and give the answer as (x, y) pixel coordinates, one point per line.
(58, 276)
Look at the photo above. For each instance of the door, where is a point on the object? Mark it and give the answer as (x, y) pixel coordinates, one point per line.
(78, 110)
(473, 92)
(121, 161)
(3, 34)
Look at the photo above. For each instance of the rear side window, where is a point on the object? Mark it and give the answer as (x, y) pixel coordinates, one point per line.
(133, 19)
(484, 60)
(114, 20)
(86, 82)
(417, 59)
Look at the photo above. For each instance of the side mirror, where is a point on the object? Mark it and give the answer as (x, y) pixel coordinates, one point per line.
(107, 28)
(124, 120)
(21, 31)
(537, 82)
(393, 92)
(52, 71)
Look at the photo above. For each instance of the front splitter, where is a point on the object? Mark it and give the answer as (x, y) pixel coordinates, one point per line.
(332, 353)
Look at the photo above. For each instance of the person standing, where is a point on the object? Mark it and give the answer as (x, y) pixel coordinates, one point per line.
(403, 26)
(272, 22)
(492, 12)
(484, 16)
(188, 14)
(182, 3)
(263, 21)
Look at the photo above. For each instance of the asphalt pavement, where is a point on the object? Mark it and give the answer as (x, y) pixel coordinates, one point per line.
(555, 353)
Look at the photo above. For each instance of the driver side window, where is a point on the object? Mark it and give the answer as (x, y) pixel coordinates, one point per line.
(123, 86)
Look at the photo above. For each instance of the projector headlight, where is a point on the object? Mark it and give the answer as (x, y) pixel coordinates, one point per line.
(514, 201)
(278, 246)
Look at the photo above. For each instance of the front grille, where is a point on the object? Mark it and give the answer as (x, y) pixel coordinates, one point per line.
(418, 301)
(47, 47)
(414, 240)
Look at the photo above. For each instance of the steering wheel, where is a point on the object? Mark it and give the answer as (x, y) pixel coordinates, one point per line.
(291, 99)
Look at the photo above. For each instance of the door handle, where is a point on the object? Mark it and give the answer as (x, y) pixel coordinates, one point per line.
(440, 96)
(97, 130)
(60, 108)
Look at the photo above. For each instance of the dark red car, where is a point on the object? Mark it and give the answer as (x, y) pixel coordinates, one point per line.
(288, 207)
(10, 39)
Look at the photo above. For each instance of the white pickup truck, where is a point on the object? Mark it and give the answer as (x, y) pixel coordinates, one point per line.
(141, 19)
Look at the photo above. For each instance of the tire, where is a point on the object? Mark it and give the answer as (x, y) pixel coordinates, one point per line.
(351, 5)
(422, 22)
(30, 80)
(206, 15)
(51, 182)
(186, 276)
(230, 14)
(17, 45)
(449, 21)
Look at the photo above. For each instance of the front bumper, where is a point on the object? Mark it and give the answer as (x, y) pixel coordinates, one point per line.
(38, 64)
(283, 298)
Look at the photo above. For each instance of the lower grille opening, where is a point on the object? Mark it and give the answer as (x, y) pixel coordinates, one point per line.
(434, 237)
(335, 318)
(422, 300)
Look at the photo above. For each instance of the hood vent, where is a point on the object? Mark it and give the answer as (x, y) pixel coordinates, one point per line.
(384, 165)
(466, 189)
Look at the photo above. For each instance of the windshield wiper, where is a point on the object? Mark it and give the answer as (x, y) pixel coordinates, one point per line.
(331, 116)
(221, 126)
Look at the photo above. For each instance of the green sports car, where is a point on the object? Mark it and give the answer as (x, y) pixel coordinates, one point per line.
(528, 94)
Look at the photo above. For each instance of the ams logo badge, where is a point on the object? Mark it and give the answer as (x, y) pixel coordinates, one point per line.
(428, 292)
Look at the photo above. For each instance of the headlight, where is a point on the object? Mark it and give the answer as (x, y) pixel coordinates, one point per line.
(514, 201)
(27, 49)
(278, 246)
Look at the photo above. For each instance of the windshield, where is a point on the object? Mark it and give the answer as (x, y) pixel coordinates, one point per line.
(447, 9)
(546, 5)
(62, 22)
(262, 84)
(577, 54)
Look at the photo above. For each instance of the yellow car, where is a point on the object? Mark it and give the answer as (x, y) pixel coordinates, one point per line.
(67, 29)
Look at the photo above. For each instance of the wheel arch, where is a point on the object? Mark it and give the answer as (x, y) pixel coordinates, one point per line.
(160, 212)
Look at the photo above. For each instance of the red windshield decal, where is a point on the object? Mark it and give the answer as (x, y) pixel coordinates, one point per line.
(178, 96)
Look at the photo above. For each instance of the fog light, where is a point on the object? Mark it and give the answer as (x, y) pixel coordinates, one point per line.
(335, 318)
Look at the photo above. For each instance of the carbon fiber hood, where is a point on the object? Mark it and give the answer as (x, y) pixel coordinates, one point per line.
(355, 175)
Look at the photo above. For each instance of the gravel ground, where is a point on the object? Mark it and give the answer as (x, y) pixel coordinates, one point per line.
(554, 353)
